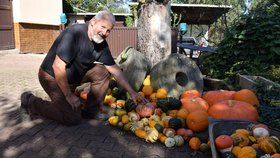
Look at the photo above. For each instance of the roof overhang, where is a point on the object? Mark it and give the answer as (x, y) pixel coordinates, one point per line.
(200, 13)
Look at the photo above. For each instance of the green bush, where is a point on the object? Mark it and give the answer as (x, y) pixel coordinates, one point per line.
(250, 47)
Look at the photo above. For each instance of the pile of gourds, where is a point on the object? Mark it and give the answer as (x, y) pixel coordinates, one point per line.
(174, 121)
(252, 142)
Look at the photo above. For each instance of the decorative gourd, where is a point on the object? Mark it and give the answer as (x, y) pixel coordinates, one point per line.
(133, 116)
(152, 135)
(120, 112)
(114, 120)
(147, 81)
(194, 143)
(169, 104)
(182, 113)
(235, 150)
(247, 152)
(260, 131)
(172, 113)
(224, 143)
(145, 110)
(140, 133)
(169, 132)
(129, 105)
(228, 154)
(159, 127)
(193, 104)
(248, 96)
(179, 140)
(185, 133)
(127, 126)
(242, 131)
(197, 121)
(232, 109)
(215, 96)
(112, 83)
(174, 104)
(147, 90)
(240, 139)
(169, 142)
(190, 94)
(175, 123)
(270, 145)
(161, 93)
(125, 119)
(119, 93)
(136, 125)
(204, 147)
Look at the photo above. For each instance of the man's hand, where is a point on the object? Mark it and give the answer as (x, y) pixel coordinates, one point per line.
(74, 101)
(136, 97)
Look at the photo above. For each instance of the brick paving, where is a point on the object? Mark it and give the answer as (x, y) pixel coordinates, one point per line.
(48, 139)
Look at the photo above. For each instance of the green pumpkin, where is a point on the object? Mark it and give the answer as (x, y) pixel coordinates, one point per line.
(129, 105)
(175, 104)
(159, 127)
(169, 103)
(175, 123)
(119, 93)
(228, 154)
(112, 83)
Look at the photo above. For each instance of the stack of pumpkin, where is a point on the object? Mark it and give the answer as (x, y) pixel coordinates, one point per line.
(252, 142)
(174, 121)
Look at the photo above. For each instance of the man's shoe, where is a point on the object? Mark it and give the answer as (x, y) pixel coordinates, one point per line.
(24, 113)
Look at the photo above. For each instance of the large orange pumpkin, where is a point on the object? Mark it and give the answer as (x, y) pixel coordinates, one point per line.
(193, 104)
(190, 93)
(233, 109)
(248, 96)
(215, 96)
(197, 120)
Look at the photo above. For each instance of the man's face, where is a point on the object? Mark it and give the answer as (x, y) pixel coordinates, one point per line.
(100, 30)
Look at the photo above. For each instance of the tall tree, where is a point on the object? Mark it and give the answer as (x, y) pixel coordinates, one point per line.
(154, 31)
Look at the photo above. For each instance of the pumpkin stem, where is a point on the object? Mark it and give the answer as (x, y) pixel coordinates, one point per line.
(230, 103)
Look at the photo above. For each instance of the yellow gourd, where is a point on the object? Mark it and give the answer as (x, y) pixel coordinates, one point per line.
(147, 81)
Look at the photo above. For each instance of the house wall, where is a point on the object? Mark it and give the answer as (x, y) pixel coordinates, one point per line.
(45, 12)
(35, 38)
(36, 24)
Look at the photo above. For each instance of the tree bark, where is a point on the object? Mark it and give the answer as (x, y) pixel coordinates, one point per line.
(154, 31)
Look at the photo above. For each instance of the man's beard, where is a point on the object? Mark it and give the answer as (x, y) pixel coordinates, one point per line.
(96, 38)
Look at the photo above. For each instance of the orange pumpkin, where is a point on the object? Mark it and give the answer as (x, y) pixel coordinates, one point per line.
(247, 152)
(145, 110)
(223, 142)
(147, 90)
(190, 93)
(240, 139)
(277, 155)
(193, 104)
(215, 96)
(197, 121)
(182, 113)
(232, 109)
(247, 96)
(194, 143)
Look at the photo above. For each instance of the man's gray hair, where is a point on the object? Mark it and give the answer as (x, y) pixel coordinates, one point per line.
(105, 15)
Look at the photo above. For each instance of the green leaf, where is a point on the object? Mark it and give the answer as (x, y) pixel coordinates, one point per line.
(276, 50)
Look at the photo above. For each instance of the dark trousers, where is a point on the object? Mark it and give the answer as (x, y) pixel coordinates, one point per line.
(58, 108)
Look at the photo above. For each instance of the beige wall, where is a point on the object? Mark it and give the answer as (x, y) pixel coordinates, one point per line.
(45, 12)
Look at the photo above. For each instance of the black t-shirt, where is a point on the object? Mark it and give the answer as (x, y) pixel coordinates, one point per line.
(79, 53)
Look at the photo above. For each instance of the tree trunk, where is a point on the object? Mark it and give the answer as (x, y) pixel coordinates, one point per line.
(154, 31)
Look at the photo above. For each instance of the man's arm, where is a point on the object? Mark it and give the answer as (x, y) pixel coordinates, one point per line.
(118, 75)
(59, 68)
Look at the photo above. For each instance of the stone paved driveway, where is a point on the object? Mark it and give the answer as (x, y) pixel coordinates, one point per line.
(45, 138)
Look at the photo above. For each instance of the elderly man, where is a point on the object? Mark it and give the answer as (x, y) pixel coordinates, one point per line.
(79, 54)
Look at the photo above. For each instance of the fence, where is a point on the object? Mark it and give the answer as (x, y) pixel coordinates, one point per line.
(121, 37)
